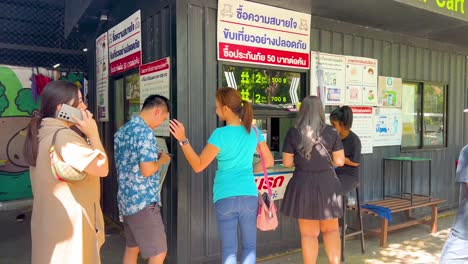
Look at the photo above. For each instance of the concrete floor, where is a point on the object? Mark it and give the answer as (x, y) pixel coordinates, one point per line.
(410, 245)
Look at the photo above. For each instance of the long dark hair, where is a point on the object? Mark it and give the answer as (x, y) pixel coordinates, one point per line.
(343, 115)
(54, 94)
(310, 122)
(231, 98)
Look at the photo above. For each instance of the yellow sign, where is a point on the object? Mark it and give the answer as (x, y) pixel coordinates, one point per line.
(457, 6)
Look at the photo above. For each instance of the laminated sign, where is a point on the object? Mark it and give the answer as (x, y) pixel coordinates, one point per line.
(259, 34)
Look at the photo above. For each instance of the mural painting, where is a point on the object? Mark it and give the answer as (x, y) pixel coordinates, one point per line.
(17, 105)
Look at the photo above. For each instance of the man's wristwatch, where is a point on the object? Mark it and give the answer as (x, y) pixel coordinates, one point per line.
(184, 142)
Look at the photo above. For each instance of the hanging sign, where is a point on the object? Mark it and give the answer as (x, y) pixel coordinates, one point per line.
(390, 91)
(102, 78)
(125, 44)
(260, 34)
(154, 79)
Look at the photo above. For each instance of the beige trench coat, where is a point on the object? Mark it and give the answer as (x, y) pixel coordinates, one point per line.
(67, 225)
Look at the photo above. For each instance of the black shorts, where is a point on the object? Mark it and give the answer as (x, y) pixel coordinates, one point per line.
(145, 230)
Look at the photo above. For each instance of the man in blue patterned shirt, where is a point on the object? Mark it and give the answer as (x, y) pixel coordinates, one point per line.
(138, 161)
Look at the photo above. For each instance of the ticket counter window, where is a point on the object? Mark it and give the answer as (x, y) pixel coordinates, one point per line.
(126, 98)
(266, 88)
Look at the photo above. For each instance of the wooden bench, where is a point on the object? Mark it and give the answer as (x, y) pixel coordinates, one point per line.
(402, 205)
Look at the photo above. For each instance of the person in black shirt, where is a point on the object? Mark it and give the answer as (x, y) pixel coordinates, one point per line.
(342, 119)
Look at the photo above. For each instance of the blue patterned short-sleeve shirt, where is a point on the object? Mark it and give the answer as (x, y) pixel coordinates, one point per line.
(135, 143)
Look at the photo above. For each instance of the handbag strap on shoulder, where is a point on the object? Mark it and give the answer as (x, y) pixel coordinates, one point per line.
(265, 175)
(55, 135)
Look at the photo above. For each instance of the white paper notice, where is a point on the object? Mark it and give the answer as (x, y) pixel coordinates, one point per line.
(102, 79)
(390, 91)
(155, 79)
(361, 81)
(388, 127)
(328, 70)
(363, 126)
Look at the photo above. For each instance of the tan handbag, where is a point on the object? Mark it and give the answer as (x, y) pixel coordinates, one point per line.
(61, 170)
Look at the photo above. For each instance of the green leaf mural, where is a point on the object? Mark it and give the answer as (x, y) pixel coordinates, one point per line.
(25, 102)
(12, 85)
(3, 99)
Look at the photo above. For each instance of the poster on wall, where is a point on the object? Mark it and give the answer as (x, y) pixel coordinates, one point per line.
(390, 91)
(363, 126)
(155, 79)
(254, 33)
(328, 72)
(278, 182)
(125, 44)
(388, 127)
(102, 78)
(361, 81)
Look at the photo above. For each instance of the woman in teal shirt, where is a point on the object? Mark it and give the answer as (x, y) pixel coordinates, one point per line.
(234, 192)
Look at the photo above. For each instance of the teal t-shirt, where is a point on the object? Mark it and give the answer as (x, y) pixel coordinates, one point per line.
(234, 176)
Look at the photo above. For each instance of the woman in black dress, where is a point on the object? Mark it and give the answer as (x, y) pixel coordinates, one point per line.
(342, 119)
(313, 195)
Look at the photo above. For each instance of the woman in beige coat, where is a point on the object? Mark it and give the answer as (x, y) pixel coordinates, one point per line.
(67, 224)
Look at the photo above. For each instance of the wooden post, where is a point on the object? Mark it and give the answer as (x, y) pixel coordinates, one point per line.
(434, 219)
(383, 232)
(409, 213)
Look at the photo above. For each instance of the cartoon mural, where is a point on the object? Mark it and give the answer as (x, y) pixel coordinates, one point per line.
(16, 108)
(18, 102)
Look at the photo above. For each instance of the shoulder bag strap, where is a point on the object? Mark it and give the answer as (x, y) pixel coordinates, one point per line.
(54, 139)
(265, 175)
(328, 154)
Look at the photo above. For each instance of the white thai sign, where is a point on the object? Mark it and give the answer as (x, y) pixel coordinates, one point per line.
(125, 44)
(260, 34)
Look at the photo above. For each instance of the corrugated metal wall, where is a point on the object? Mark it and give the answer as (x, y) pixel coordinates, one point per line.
(420, 60)
(399, 56)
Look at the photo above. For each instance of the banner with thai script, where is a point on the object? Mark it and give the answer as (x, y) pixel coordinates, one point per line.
(125, 44)
(363, 127)
(278, 182)
(102, 78)
(260, 34)
(155, 79)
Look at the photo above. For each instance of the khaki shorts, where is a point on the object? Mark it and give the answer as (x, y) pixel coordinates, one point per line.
(145, 230)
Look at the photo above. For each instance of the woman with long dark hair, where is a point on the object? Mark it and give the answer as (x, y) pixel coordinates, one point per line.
(67, 224)
(313, 195)
(234, 191)
(342, 120)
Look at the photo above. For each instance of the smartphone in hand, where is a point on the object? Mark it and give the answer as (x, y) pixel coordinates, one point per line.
(67, 112)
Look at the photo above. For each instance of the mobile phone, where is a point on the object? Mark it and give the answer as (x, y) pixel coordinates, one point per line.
(67, 112)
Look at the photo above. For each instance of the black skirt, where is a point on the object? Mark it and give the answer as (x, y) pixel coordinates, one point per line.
(313, 196)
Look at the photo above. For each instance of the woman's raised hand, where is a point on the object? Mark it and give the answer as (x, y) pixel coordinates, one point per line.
(88, 125)
(177, 129)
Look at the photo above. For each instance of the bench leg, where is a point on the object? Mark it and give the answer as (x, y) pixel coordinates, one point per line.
(434, 219)
(383, 232)
(409, 213)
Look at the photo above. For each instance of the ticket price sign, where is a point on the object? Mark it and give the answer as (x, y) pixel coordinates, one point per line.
(274, 88)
